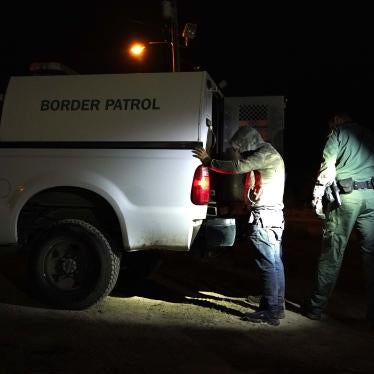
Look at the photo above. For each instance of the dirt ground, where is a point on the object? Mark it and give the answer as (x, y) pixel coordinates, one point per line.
(186, 319)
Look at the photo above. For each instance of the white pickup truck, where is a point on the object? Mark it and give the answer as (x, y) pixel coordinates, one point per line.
(95, 165)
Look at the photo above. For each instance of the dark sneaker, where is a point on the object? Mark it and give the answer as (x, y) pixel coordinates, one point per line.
(312, 315)
(262, 306)
(261, 316)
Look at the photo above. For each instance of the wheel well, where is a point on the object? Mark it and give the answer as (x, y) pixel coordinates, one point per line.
(54, 204)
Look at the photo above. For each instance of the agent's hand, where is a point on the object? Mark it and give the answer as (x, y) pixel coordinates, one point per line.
(318, 207)
(202, 155)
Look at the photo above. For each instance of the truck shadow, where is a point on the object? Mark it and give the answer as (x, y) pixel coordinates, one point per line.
(222, 282)
(232, 275)
(14, 284)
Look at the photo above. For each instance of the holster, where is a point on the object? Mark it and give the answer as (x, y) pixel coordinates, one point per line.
(345, 185)
(331, 198)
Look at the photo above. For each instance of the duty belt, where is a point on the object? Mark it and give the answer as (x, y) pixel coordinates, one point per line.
(363, 185)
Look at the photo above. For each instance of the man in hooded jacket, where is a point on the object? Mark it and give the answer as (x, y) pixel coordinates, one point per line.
(266, 222)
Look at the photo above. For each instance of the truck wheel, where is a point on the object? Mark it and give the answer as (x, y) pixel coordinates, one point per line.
(72, 265)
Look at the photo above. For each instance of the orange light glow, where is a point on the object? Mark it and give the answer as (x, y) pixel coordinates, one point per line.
(137, 49)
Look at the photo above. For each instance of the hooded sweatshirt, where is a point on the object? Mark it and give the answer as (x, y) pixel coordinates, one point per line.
(262, 161)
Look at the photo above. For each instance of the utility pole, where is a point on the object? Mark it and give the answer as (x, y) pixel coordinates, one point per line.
(170, 13)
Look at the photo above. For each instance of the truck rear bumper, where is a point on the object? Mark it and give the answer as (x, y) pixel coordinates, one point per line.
(220, 232)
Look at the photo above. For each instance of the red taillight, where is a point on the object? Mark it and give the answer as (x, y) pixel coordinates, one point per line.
(200, 186)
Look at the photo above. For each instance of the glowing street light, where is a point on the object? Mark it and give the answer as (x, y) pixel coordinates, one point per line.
(170, 14)
(137, 49)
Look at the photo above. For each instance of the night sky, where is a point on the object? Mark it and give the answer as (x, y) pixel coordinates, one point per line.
(257, 49)
(318, 57)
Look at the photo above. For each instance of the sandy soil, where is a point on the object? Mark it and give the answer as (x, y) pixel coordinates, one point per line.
(186, 318)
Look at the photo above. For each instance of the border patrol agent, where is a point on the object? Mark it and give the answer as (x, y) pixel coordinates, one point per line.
(348, 158)
(266, 222)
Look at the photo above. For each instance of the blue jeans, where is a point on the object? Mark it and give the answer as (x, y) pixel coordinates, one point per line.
(267, 241)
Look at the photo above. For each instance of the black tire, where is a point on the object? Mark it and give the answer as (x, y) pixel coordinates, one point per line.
(72, 265)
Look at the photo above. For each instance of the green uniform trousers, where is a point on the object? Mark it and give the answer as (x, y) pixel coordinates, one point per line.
(357, 210)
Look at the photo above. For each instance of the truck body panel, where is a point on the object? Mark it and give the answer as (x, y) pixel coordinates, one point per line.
(152, 107)
(138, 184)
(88, 132)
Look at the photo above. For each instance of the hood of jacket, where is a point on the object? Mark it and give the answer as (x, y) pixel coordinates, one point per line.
(246, 139)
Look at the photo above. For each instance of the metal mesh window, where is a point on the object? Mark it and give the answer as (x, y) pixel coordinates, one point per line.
(255, 115)
(253, 112)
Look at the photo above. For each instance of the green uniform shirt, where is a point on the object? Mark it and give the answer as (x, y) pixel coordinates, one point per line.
(348, 153)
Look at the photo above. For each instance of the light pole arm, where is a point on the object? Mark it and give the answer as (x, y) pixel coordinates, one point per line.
(172, 52)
